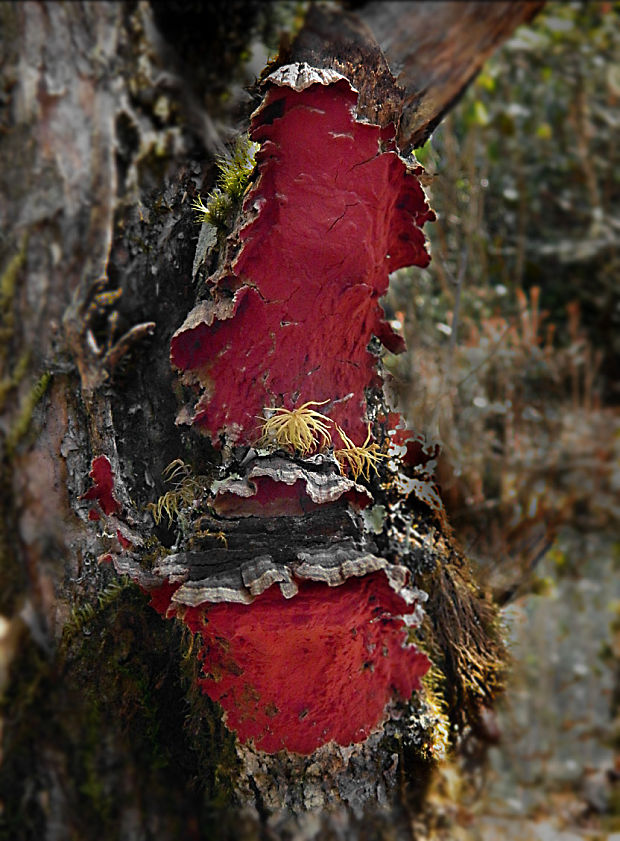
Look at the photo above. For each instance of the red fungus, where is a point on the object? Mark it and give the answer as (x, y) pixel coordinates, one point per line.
(124, 541)
(103, 477)
(271, 499)
(312, 649)
(275, 486)
(297, 673)
(334, 210)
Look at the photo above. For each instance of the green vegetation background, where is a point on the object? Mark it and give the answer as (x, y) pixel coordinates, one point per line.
(514, 339)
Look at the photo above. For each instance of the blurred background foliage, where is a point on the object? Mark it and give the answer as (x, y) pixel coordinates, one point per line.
(513, 337)
(514, 329)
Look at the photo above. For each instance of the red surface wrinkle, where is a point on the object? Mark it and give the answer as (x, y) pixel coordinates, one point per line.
(103, 477)
(298, 673)
(334, 214)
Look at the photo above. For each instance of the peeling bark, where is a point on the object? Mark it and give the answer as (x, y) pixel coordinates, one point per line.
(99, 268)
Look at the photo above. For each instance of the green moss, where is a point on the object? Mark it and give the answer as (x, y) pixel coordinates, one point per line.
(19, 372)
(416, 765)
(9, 381)
(21, 424)
(8, 283)
(153, 552)
(234, 172)
(12, 576)
(216, 211)
(462, 637)
(84, 613)
(431, 718)
(180, 505)
(8, 286)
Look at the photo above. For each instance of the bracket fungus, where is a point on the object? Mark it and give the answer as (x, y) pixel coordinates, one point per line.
(333, 210)
(304, 626)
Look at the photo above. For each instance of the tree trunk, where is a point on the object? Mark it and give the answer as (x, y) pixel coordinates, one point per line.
(300, 521)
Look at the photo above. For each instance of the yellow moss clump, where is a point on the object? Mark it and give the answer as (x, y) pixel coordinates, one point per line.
(359, 460)
(301, 430)
(187, 488)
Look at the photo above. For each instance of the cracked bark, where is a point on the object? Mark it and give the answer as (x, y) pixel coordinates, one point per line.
(107, 134)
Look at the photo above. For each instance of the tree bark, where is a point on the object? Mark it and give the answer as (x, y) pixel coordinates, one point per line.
(111, 118)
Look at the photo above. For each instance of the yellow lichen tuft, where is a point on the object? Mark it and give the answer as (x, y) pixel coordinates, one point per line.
(218, 535)
(187, 488)
(359, 460)
(301, 430)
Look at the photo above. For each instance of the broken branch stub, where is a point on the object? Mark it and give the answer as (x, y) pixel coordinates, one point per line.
(410, 60)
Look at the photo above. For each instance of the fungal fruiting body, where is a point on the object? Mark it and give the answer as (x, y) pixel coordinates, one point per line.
(303, 625)
(333, 211)
(297, 673)
(103, 488)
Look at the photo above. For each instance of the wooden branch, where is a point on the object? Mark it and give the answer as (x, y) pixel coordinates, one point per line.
(411, 61)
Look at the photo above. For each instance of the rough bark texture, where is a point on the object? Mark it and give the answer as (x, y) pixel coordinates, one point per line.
(109, 136)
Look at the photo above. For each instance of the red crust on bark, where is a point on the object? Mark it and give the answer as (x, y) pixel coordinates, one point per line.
(296, 674)
(271, 499)
(333, 212)
(124, 541)
(103, 489)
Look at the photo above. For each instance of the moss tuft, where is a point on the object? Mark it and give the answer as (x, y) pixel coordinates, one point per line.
(22, 422)
(462, 637)
(234, 173)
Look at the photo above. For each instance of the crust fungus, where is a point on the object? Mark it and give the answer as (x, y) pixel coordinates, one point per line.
(103, 488)
(303, 625)
(295, 673)
(334, 209)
